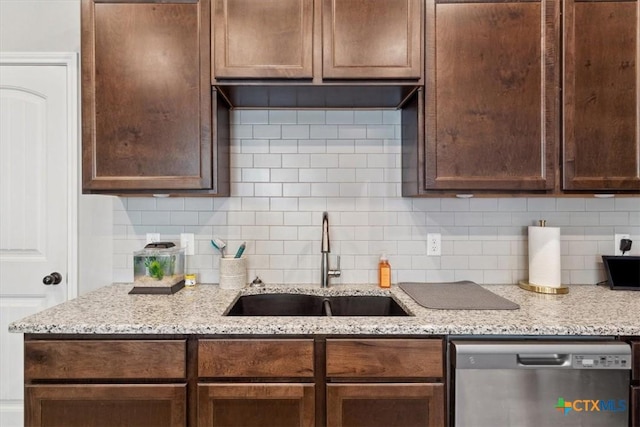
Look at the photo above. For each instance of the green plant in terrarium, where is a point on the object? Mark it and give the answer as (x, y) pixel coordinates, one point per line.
(155, 267)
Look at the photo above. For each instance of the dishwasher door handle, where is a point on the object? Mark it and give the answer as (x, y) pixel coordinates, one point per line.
(544, 360)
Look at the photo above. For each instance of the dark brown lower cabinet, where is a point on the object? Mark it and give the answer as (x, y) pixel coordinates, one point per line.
(389, 405)
(256, 404)
(102, 405)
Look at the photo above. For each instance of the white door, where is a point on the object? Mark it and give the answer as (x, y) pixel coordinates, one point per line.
(35, 109)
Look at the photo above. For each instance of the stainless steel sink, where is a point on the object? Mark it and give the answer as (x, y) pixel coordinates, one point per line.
(315, 305)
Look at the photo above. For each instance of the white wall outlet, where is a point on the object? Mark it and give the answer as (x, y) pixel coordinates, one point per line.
(153, 237)
(434, 244)
(616, 242)
(187, 241)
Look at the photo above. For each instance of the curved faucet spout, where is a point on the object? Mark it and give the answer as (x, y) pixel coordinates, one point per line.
(325, 247)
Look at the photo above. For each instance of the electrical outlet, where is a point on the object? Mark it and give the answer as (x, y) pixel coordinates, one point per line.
(187, 241)
(153, 237)
(616, 243)
(434, 244)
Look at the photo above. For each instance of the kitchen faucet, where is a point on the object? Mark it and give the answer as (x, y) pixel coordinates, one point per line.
(325, 270)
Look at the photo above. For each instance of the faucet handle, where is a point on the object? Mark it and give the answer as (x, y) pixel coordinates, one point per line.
(335, 272)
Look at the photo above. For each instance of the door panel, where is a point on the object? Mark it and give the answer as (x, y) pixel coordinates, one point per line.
(602, 79)
(263, 38)
(491, 95)
(34, 133)
(378, 39)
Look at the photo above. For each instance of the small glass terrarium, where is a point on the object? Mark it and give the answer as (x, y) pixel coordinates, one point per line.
(158, 268)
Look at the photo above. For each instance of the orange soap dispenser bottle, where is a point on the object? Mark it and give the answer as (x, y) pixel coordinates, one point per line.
(384, 272)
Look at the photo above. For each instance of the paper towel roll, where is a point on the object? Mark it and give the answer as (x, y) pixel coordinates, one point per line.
(544, 256)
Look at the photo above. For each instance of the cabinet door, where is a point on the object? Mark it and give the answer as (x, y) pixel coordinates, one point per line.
(378, 39)
(263, 38)
(389, 405)
(491, 95)
(74, 405)
(241, 405)
(146, 95)
(602, 79)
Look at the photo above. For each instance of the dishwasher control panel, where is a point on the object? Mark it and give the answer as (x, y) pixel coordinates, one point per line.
(601, 361)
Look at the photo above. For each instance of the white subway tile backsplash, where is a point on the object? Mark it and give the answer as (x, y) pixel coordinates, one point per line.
(340, 117)
(311, 117)
(268, 161)
(369, 117)
(323, 131)
(325, 161)
(295, 132)
(340, 146)
(283, 117)
(141, 203)
(256, 175)
(297, 189)
(184, 218)
(256, 203)
(352, 131)
(284, 175)
(287, 166)
(631, 204)
(312, 175)
(284, 204)
(254, 146)
(198, 204)
(268, 189)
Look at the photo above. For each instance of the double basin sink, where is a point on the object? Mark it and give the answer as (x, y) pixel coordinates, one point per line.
(289, 304)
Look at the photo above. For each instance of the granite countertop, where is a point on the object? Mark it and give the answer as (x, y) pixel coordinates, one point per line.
(585, 310)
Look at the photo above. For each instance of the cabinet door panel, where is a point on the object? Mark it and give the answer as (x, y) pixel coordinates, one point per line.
(290, 358)
(601, 116)
(76, 405)
(492, 94)
(263, 38)
(389, 405)
(137, 359)
(241, 405)
(388, 358)
(372, 39)
(146, 96)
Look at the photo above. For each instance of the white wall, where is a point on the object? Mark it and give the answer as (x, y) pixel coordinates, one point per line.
(42, 25)
(54, 26)
(288, 166)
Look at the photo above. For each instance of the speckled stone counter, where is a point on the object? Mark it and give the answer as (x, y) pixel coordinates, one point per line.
(585, 310)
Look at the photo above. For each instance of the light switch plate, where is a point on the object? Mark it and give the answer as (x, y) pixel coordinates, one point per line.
(153, 237)
(187, 241)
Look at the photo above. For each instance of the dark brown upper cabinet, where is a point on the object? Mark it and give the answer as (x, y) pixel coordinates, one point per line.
(263, 39)
(373, 39)
(490, 102)
(151, 122)
(311, 42)
(601, 82)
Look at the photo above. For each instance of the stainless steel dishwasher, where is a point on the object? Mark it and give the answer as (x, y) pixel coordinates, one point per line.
(540, 384)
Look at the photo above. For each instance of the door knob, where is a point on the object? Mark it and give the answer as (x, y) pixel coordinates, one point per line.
(52, 279)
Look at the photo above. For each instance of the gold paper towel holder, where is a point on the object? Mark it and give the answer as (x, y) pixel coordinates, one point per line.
(542, 289)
